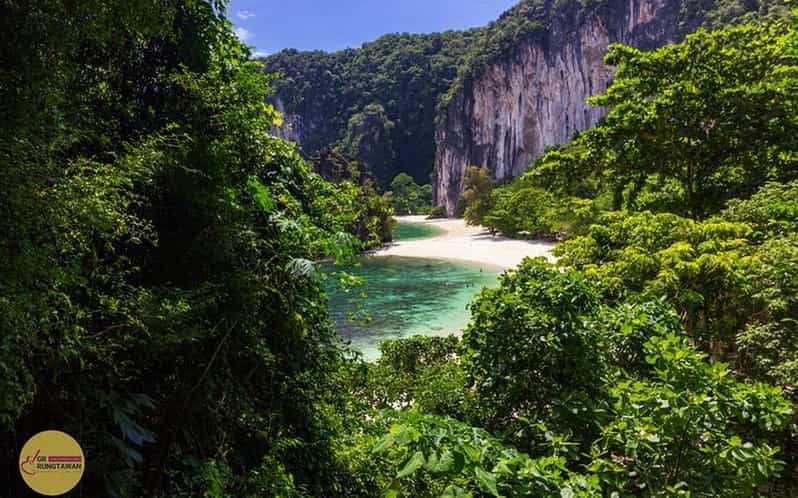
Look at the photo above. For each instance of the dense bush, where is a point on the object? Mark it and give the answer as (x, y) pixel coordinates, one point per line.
(527, 354)
(407, 197)
(438, 212)
(769, 342)
(695, 265)
(524, 209)
(157, 290)
(771, 211)
(606, 401)
(477, 195)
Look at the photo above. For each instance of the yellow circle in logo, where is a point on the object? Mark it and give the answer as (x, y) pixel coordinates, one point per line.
(51, 463)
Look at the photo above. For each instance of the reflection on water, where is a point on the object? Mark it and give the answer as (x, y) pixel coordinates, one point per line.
(404, 297)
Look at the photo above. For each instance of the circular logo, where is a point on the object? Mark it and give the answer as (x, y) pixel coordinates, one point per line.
(51, 463)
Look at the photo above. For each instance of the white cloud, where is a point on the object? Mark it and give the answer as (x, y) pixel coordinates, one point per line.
(243, 34)
(259, 53)
(245, 14)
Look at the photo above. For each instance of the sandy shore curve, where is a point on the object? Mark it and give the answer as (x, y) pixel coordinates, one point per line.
(460, 242)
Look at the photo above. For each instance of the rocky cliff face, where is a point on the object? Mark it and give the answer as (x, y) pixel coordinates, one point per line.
(304, 129)
(506, 117)
(291, 127)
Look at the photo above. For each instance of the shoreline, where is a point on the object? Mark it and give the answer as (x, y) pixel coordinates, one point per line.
(467, 244)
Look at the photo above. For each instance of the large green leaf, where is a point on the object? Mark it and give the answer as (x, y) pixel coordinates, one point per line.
(487, 481)
(383, 444)
(412, 465)
(453, 491)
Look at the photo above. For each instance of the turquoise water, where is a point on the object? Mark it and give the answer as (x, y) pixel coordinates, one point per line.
(414, 231)
(402, 297)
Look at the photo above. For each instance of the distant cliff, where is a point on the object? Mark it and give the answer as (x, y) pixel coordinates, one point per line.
(377, 102)
(533, 98)
(497, 96)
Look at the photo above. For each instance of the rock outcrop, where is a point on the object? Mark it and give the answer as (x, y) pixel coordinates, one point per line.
(505, 118)
(291, 127)
(303, 128)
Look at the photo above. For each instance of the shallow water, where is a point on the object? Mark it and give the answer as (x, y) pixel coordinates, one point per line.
(403, 297)
(414, 231)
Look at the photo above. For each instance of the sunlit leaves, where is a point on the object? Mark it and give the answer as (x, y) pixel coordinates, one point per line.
(681, 419)
(697, 266)
(713, 116)
(407, 197)
(477, 194)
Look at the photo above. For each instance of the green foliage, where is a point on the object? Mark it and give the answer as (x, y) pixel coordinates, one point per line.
(368, 137)
(626, 328)
(769, 342)
(156, 279)
(771, 211)
(524, 209)
(527, 353)
(347, 202)
(646, 256)
(733, 285)
(420, 372)
(477, 194)
(688, 428)
(661, 419)
(437, 456)
(407, 197)
(722, 13)
(520, 211)
(438, 212)
(700, 114)
(402, 73)
(346, 208)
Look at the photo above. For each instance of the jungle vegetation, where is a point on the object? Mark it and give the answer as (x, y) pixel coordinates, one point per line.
(684, 196)
(159, 297)
(383, 100)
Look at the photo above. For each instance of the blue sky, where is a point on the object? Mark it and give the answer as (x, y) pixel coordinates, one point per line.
(272, 25)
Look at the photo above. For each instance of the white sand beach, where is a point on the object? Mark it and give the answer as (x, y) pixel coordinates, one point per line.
(467, 243)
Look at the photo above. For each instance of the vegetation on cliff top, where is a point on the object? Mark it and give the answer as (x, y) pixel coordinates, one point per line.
(388, 88)
(393, 91)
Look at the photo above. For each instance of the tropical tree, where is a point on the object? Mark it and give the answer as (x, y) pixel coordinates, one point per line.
(158, 295)
(407, 197)
(477, 194)
(368, 137)
(716, 113)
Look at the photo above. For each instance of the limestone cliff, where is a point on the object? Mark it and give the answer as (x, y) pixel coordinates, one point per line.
(505, 117)
(291, 127)
(302, 128)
